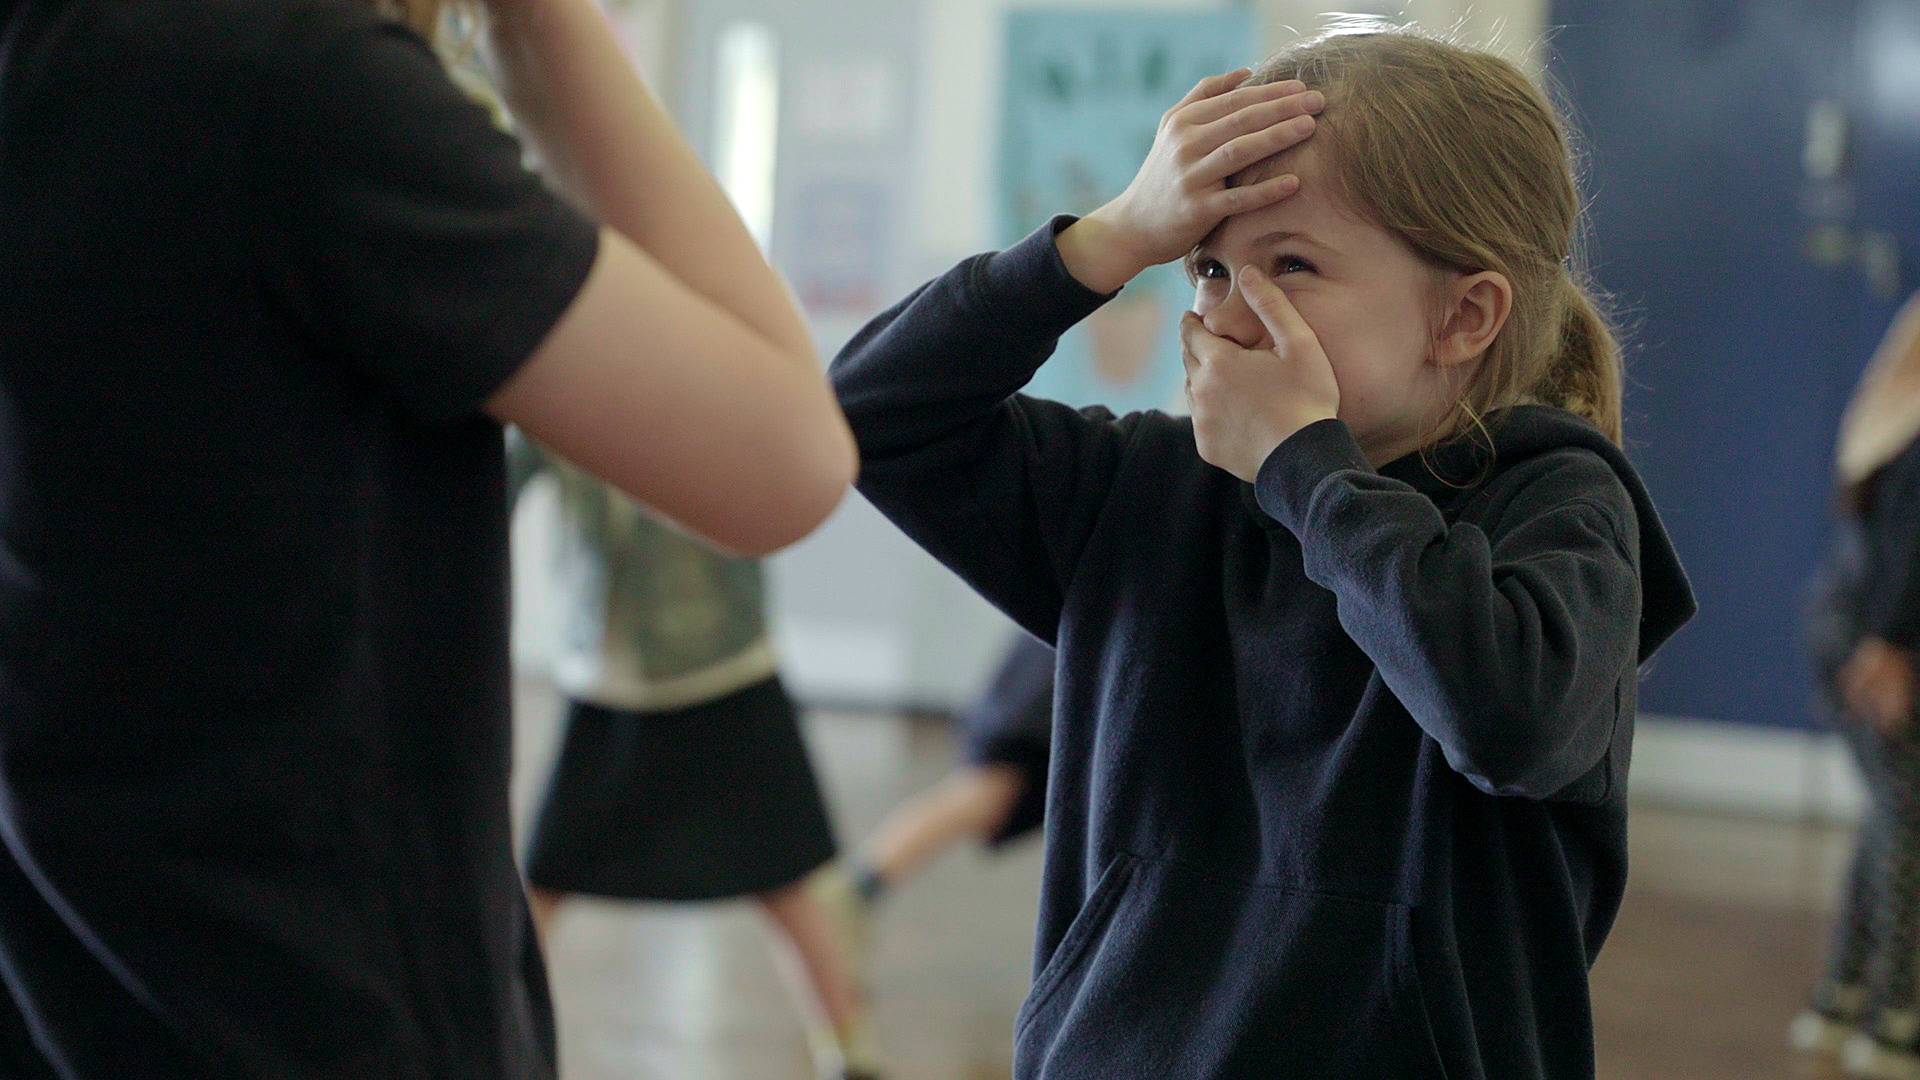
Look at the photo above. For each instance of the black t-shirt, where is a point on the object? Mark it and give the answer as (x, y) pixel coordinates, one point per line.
(260, 264)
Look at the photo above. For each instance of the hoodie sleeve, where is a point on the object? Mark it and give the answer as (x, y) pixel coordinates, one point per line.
(1892, 605)
(1509, 648)
(1002, 488)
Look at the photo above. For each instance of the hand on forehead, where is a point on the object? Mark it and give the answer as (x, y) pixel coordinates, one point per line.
(1316, 209)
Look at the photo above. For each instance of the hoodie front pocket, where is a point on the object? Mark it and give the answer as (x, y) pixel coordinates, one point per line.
(1169, 971)
(1081, 932)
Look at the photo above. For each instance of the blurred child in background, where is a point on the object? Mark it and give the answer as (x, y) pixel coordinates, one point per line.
(682, 774)
(1863, 627)
(997, 796)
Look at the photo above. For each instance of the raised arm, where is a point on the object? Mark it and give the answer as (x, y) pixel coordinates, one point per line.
(1004, 488)
(1000, 487)
(1508, 649)
(682, 372)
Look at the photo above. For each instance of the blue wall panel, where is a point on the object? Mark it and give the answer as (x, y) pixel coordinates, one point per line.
(1742, 348)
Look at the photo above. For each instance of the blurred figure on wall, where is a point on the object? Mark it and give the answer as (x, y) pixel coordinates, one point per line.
(997, 795)
(1863, 626)
(682, 774)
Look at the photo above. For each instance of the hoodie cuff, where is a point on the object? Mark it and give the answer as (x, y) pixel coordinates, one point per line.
(1285, 484)
(1026, 288)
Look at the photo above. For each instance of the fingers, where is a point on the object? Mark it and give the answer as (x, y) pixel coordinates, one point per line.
(1238, 200)
(1205, 110)
(1269, 129)
(1269, 302)
(1211, 86)
(1264, 114)
(1191, 327)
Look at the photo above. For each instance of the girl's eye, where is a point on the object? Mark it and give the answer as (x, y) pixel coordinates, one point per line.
(1204, 269)
(1291, 264)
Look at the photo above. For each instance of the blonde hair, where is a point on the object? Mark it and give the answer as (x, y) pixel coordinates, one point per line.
(1883, 418)
(1462, 155)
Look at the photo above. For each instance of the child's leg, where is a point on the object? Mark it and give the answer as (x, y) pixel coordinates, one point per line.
(1855, 950)
(827, 968)
(1897, 930)
(973, 801)
(1840, 1004)
(1890, 1045)
(1852, 945)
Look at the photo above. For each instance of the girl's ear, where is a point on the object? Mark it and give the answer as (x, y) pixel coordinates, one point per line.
(1477, 308)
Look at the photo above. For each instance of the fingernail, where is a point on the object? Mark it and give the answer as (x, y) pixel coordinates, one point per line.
(1252, 275)
(1313, 101)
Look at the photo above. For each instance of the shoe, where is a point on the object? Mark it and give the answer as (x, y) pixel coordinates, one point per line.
(1868, 1057)
(1815, 1031)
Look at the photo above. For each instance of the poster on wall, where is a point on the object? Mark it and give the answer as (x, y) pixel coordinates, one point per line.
(1083, 95)
(840, 239)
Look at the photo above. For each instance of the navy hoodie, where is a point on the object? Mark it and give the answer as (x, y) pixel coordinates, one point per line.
(1339, 774)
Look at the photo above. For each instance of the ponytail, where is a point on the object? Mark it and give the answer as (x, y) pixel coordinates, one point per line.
(1583, 376)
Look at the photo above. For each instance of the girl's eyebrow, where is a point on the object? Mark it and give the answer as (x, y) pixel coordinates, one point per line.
(1278, 236)
(1282, 236)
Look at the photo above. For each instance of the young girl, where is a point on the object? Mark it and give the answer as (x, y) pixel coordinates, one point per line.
(1347, 661)
(1863, 628)
(682, 774)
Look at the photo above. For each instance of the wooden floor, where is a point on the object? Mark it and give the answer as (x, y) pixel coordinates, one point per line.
(1717, 942)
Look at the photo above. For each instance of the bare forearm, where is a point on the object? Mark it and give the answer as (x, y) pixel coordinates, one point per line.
(610, 145)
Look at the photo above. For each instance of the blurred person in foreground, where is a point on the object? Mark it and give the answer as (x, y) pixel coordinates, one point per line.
(269, 286)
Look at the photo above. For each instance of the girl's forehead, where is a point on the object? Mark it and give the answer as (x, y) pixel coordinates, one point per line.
(1314, 211)
(1308, 161)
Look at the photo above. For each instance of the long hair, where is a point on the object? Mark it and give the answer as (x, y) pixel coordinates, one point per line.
(1883, 418)
(1460, 154)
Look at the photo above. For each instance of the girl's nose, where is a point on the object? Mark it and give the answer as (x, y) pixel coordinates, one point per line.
(1234, 320)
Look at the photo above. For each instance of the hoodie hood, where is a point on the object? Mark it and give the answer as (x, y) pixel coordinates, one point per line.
(1522, 432)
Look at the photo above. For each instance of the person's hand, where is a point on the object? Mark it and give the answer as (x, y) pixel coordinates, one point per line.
(1245, 402)
(1877, 683)
(1181, 192)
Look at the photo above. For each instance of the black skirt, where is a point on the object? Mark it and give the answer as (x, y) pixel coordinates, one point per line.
(702, 803)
